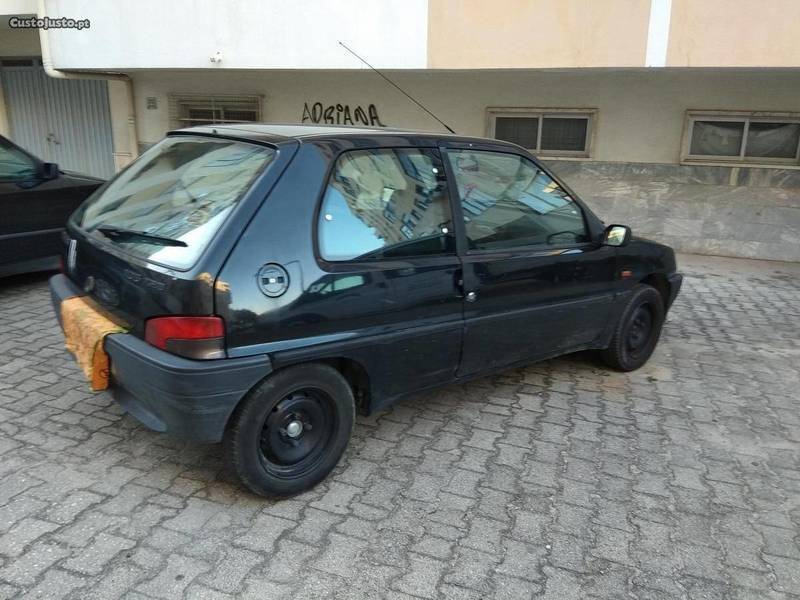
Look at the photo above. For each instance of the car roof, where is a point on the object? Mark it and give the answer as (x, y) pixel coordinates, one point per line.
(283, 132)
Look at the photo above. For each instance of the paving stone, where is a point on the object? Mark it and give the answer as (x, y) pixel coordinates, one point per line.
(26, 569)
(55, 584)
(262, 534)
(787, 571)
(522, 560)
(23, 533)
(18, 509)
(472, 569)
(231, 569)
(92, 559)
(342, 555)
(116, 583)
(178, 573)
(423, 577)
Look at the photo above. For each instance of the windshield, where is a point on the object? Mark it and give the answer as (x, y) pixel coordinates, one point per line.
(182, 188)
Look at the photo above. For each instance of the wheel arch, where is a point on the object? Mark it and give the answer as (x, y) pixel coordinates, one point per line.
(660, 282)
(356, 376)
(352, 370)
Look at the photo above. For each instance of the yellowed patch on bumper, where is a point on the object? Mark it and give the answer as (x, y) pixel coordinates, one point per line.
(85, 328)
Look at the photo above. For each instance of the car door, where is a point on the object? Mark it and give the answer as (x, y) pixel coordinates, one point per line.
(535, 283)
(385, 229)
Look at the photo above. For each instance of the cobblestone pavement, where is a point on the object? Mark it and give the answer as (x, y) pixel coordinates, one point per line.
(561, 479)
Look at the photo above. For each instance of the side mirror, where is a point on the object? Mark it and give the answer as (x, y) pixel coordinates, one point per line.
(49, 171)
(617, 235)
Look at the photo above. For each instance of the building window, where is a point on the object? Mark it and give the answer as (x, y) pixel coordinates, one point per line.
(547, 132)
(742, 137)
(190, 110)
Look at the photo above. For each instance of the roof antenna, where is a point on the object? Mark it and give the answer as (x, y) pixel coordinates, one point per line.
(406, 94)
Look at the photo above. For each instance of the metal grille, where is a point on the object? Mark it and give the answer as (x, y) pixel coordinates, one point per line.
(190, 110)
(65, 121)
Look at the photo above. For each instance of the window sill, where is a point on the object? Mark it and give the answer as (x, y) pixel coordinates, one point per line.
(731, 164)
(561, 157)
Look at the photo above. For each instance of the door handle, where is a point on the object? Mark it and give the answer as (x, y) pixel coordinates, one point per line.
(471, 296)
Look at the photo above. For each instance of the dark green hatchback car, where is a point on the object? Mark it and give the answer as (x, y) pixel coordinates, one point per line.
(272, 281)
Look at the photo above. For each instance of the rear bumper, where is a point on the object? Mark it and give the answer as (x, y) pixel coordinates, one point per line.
(675, 282)
(188, 398)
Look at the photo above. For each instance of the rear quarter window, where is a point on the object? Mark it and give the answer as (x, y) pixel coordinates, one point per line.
(385, 203)
(182, 189)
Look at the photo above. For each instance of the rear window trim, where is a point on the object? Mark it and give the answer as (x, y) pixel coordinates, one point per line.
(119, 250)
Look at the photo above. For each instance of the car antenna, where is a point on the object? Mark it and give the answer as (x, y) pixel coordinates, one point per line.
(405, 93)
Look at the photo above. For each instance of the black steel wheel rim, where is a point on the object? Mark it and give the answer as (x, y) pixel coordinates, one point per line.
(640, 330)
(296, 433)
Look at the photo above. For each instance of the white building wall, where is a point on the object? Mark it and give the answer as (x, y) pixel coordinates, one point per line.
(247, 34)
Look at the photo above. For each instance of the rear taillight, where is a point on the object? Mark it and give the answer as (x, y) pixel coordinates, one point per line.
(192, 337)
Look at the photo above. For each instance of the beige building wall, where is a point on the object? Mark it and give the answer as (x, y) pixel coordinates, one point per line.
(475, 34)
(640, 114)
(734, 33)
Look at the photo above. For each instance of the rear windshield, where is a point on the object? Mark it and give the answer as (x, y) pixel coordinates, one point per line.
(168, 205)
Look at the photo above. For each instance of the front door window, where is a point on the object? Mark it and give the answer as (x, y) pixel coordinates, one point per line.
(509, 202)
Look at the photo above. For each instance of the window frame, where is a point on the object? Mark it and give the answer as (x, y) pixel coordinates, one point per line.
(589, 114)
(380, 262)
(180, 104)
(458, 210)
(745, 117)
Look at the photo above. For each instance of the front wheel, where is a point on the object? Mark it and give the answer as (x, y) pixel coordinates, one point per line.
(290, 430)
(637, 332)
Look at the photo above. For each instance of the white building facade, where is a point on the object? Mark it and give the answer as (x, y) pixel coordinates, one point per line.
(681, 118)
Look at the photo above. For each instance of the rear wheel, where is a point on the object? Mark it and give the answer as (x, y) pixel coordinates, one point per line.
(638, 330)
(291, 430)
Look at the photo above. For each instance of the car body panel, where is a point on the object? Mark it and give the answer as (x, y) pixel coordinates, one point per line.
(535, 304)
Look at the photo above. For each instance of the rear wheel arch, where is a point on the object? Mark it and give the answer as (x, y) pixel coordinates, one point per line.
(357, 376)
(352, 370)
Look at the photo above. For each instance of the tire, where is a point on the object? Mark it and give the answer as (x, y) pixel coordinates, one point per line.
(290, 431)
(637, 331)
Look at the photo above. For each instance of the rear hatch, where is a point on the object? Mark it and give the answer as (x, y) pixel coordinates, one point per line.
(147, 243)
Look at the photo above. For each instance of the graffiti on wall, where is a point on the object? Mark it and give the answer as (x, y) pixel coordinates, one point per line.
(341, 114)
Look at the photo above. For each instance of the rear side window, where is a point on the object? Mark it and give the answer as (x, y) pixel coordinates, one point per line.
(180, 190)
(509, 202)
(388, 202)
